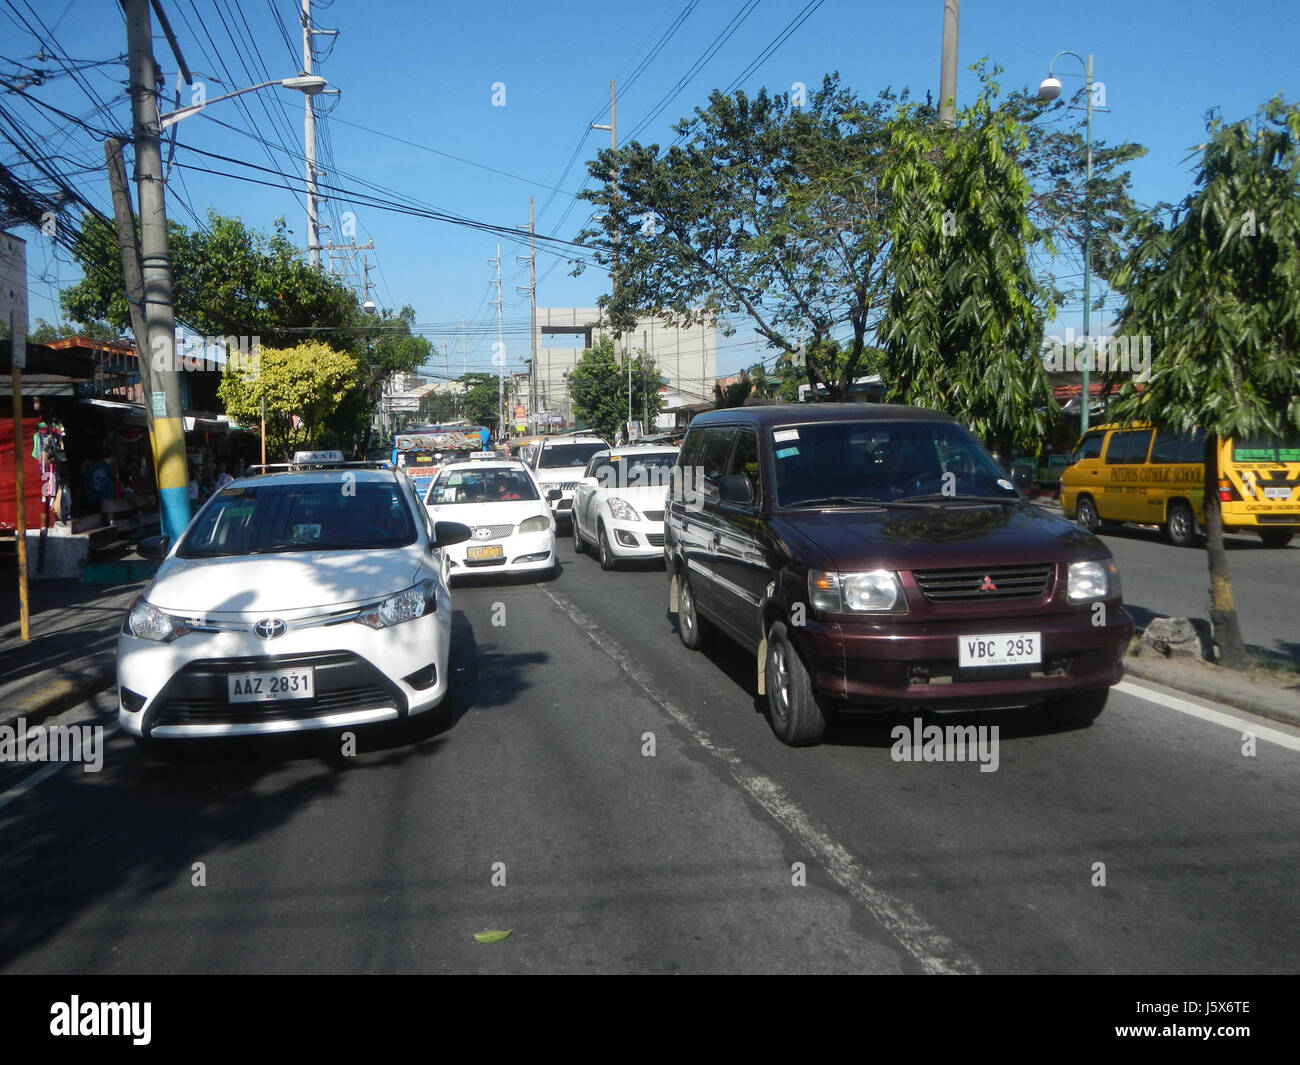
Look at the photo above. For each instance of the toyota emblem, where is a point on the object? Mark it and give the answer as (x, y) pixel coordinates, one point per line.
(482, 532)
(270, 628)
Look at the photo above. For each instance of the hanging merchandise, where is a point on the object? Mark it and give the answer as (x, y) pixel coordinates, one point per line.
(47, 446)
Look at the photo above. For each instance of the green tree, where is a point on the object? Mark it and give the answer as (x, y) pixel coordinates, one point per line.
(385, 346)
(227, 280)
(480, 401)
(1218, 292)
(44, 332)
(769, 211)
(438, 407)
(965, 319)
(735, 394)
(301, 386)
(598, 386)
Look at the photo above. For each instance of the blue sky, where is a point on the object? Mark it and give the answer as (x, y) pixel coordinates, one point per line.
(424, 72)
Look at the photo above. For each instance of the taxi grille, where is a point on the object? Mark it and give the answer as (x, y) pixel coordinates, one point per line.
(198, 693)
(983, 585)
(494, 532)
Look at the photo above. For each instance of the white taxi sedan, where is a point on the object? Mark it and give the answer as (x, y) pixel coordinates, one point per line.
(618, 506)
(311, 598)
(500, 500)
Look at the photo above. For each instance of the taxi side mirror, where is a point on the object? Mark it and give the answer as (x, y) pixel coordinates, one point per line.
(446, 533)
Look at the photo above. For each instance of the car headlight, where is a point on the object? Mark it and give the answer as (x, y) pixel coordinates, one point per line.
(406, 605)
(622, 510)
(875, 591)
(537, 523)
(1092, 580)
(149, 623)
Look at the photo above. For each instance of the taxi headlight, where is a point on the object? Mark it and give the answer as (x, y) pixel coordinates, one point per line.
(406, 605)
(149, 623)
(537, 523)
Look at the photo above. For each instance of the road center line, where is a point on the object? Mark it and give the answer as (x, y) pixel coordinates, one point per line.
(1215, 717)
(931, 948)
(34, 780)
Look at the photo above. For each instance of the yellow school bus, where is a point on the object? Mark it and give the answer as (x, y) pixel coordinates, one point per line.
(1136, 473)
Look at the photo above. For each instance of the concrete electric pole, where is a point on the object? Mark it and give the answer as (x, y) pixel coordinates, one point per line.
(159, 346)
(532, 304)
(948, 63)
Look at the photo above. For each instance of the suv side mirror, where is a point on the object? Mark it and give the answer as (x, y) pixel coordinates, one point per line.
(735, 488)
(1022, 477)
(446, 533)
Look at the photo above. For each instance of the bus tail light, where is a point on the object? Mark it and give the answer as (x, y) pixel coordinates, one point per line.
(1226, 492)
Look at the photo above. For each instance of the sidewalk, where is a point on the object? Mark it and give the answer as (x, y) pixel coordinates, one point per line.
(70, 655)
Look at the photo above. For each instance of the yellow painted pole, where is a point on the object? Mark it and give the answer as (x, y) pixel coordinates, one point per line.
(20, 512)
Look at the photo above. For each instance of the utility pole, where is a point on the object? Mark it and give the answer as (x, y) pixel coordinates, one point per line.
(129, 249)
(499, 356)
(532, 302)
(613, 226)
(365, 284)
(948, 63)
(164, 400)
(309, 141)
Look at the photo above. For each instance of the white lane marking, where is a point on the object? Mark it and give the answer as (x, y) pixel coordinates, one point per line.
(43, 774)
(1216, 717)
(930, 947)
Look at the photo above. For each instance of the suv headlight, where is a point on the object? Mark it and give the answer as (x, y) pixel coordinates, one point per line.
(875, 591)
(1092, 580)
(149, 623)
(406, 605)
(622, 509)
(537, 523)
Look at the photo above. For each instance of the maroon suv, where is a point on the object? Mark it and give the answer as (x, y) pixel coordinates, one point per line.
(876, 557)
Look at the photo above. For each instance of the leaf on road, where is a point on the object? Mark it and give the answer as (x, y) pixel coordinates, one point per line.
(491, 936)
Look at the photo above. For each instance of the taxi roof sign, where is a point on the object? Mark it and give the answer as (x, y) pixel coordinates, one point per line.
(316, 458)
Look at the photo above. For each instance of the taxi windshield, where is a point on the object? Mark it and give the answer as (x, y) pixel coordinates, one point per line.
(323, 516)
(478, 485)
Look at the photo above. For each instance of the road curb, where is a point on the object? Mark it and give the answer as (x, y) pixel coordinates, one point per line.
(36, 702)
(1194, 678)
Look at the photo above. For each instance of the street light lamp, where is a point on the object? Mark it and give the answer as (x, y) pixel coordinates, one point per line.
(1049, 89)
(310, 84)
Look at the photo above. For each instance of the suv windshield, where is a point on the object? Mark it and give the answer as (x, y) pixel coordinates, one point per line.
(560, 456)
(330, 515)
(888, 461)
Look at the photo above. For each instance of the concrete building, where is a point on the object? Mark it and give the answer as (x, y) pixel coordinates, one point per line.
(685, 357)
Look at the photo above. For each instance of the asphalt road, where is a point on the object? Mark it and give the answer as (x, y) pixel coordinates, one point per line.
(1163, 580)
(686, 860)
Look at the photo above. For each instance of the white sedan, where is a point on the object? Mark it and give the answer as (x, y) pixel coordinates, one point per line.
(618, 506)
(500, 500)
(308, 599)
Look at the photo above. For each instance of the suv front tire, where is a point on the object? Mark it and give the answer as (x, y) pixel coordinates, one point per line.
(794, 710)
